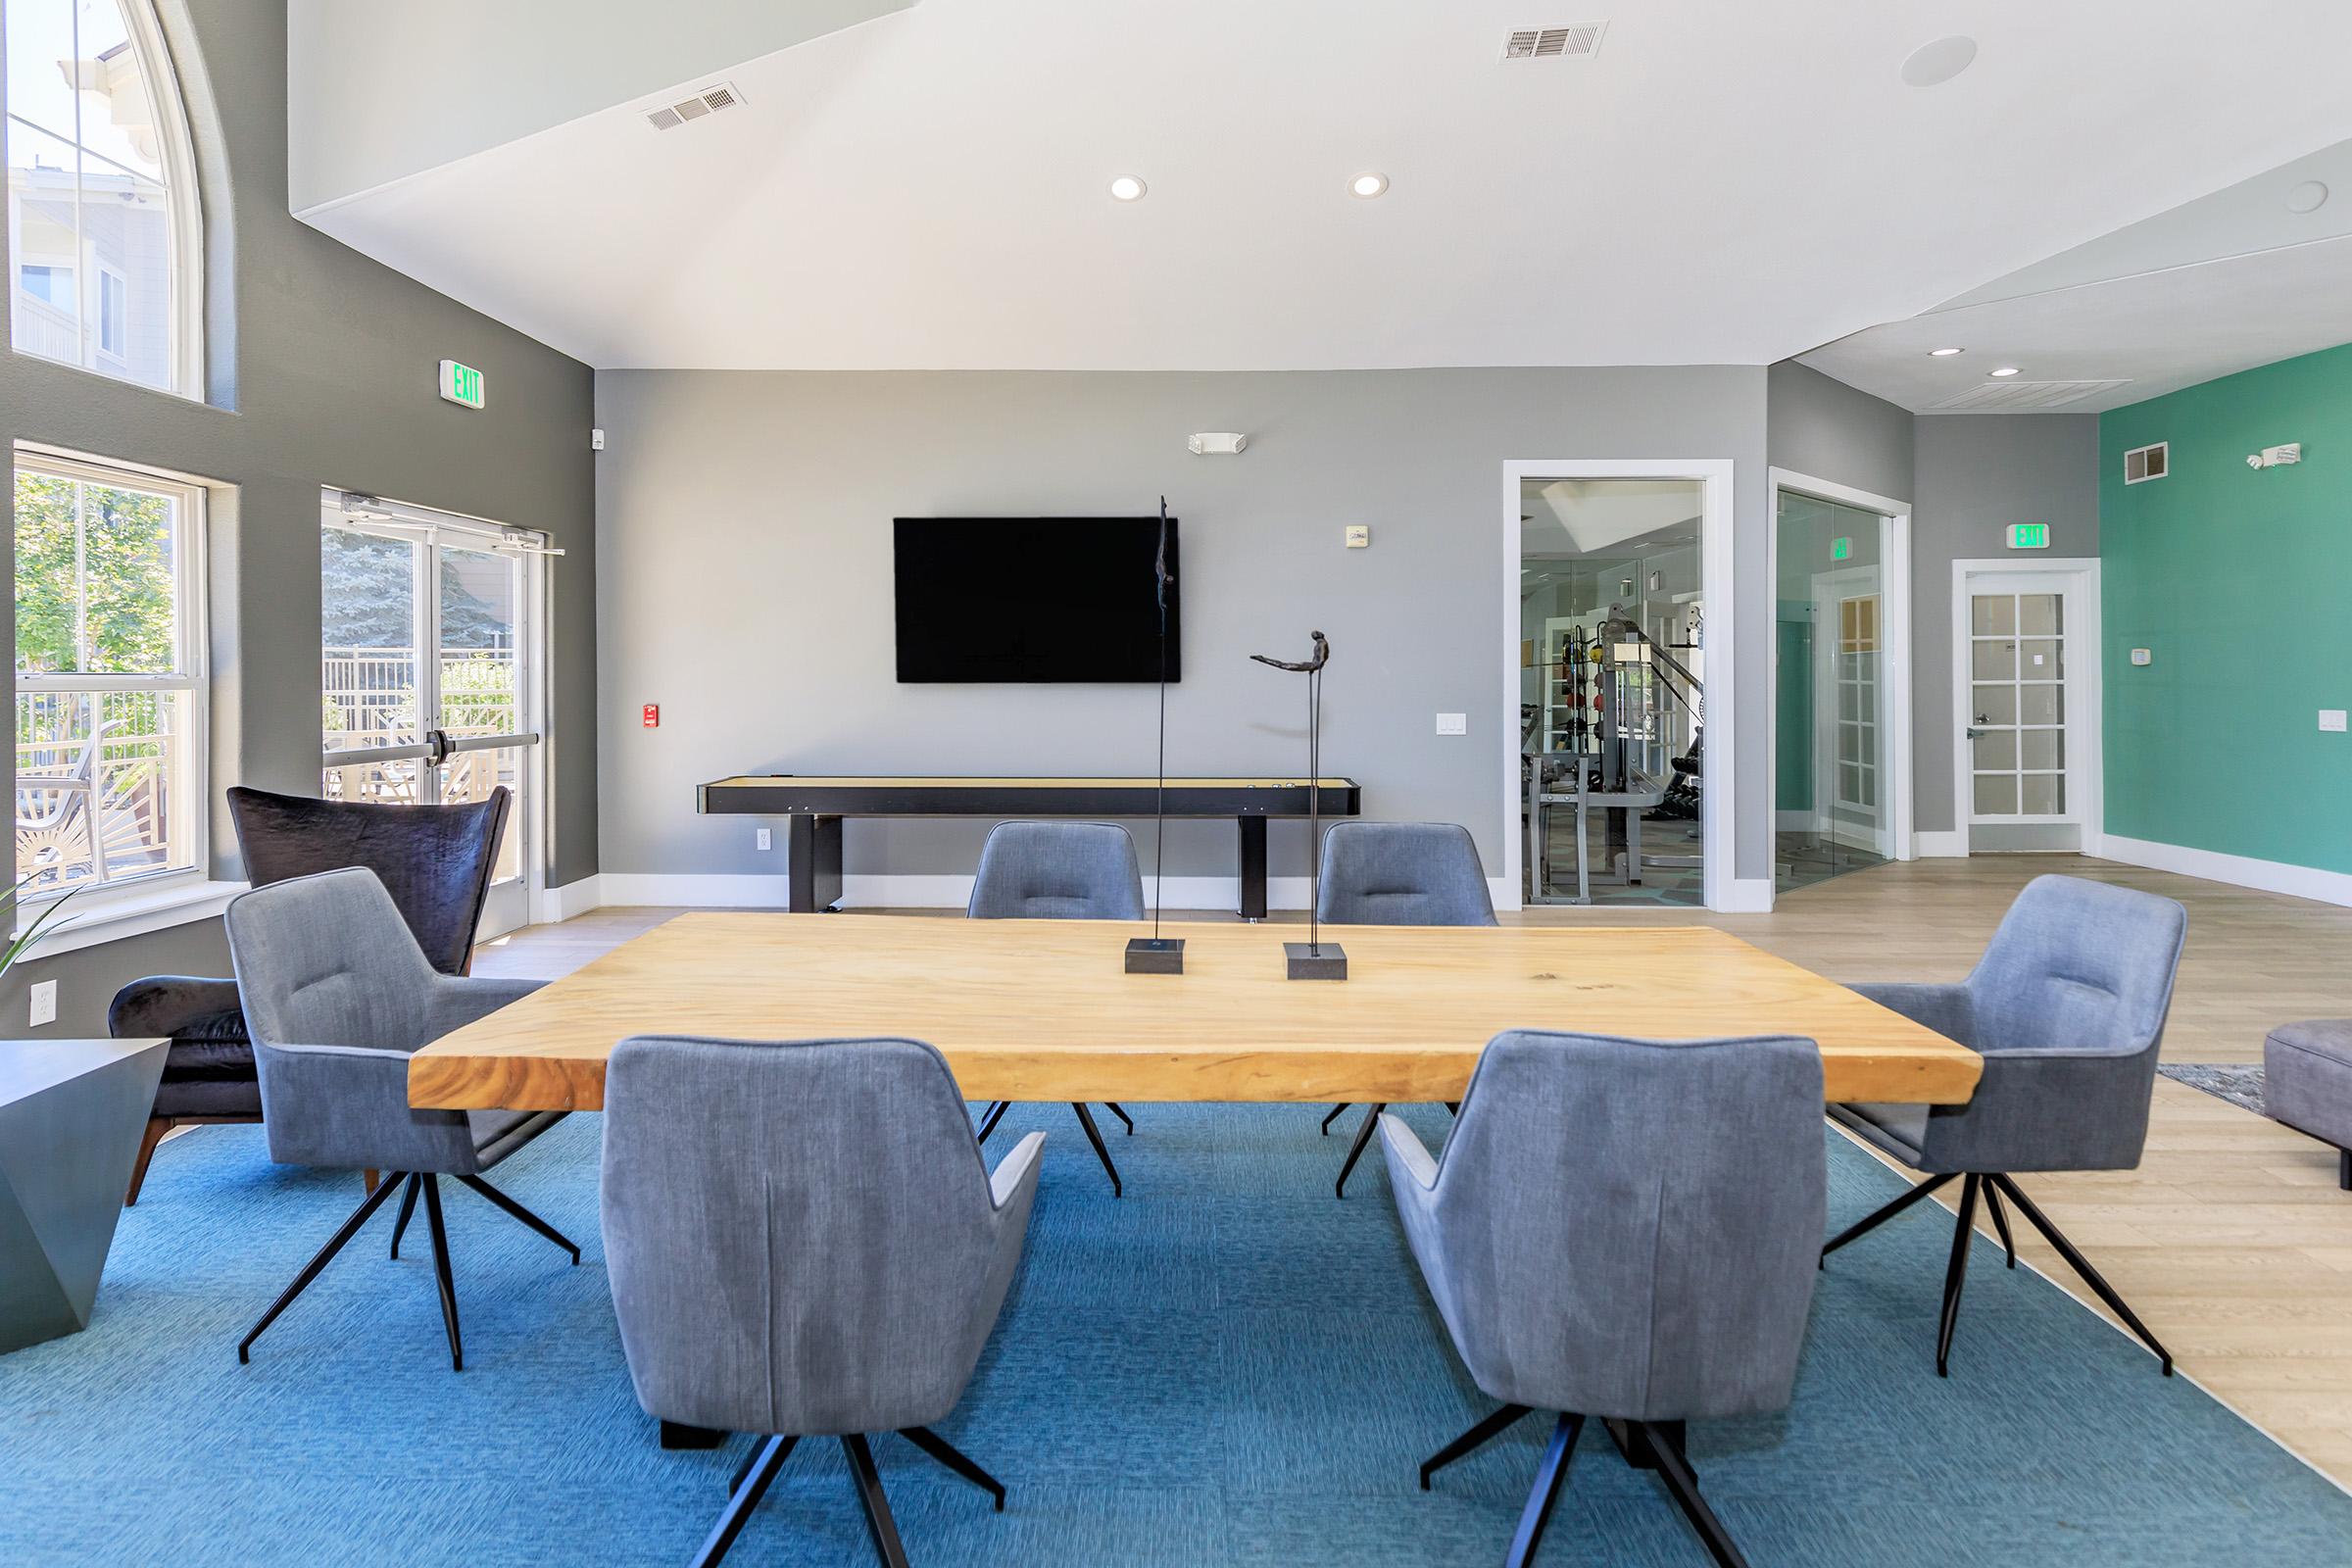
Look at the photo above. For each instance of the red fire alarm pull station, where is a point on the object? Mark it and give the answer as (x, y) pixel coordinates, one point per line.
(653, 715)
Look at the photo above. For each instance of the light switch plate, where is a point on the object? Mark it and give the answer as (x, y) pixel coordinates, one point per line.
(2331, 719)
(1360, 536)
(1454, 723)
(44, 1003)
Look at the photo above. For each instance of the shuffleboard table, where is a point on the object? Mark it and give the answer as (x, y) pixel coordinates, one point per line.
(814, 807)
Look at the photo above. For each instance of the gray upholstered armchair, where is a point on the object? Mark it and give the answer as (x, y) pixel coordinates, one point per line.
(1590, 1255)
(1060, 871)
(337, 996)
(805, 1241)
(1398, 873)
(2067, 1007)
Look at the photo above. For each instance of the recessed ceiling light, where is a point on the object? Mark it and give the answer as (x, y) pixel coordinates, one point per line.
(1368, 185)
(1932, 65)
(1941, 354)
(1127, 188)
(2005, 371)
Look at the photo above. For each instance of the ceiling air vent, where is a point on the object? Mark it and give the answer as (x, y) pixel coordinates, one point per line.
(709, 101)
(1569, 42)
(2025, 397)
(2147, 463)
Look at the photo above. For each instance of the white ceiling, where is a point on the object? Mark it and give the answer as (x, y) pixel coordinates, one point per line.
(1723, 183)
(2232, 280)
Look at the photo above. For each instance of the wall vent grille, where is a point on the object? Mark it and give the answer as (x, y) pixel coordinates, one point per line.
(2025, 397)
(2142, 463)
(1573, 41)
(698, 106)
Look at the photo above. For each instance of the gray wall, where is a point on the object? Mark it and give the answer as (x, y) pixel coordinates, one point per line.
(330, 363)
(1977, 473)
(1821, 427)
(743, 525)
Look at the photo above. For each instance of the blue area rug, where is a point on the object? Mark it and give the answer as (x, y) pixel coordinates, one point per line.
(1227, 1366)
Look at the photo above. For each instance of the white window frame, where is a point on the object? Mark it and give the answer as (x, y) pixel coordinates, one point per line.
(94, 901)
(183, 211)
(120, 351)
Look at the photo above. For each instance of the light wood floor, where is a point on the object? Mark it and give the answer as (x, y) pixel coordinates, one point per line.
(2232, 1239)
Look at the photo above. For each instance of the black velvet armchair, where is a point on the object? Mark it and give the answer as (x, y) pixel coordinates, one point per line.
(435, 861)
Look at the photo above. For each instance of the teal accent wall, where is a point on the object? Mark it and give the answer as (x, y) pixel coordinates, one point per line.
(1792, 704)
(2240, 583)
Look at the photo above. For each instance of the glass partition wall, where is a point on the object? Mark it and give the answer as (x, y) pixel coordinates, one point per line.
(1830, 701)
(1611, 700)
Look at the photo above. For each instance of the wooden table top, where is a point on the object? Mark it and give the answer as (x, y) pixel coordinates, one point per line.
(1043, 1011)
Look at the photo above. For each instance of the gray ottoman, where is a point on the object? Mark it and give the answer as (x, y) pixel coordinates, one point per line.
(2307, 1084)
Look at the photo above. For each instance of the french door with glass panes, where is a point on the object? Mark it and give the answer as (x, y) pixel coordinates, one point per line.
(2027, 641)
(429, 660)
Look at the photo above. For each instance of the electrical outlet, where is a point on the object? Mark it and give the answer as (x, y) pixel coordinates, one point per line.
(1454, 723)
(2141, 655)
(2331, 719)
(1360, 536)
(767, 839)
(44, 1003)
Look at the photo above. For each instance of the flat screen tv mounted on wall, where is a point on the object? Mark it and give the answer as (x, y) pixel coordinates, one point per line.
(1032, 599)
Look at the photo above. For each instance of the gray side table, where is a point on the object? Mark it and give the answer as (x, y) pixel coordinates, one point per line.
(71, 1112)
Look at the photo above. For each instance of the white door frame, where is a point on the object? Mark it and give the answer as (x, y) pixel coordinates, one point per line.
(1894, 629)
(2087, 782)
(1717, 586)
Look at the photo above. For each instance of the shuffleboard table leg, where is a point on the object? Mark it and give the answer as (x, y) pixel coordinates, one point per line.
(1253, 866)
(811, 861)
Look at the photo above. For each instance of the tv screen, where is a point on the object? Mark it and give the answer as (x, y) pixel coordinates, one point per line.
(1032, 599)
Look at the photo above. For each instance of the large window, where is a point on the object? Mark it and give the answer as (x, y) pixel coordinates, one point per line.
(102, 213)
(110, 674)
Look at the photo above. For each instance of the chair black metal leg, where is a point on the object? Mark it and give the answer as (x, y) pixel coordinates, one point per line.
(523, 1215)
(947, 1454)
(2082, 1266)
(2000, 1221)
(1355, 1151)
(310, 1271)
(441, 1277)
(1955, 1273)
(408, 1207)
(993, 1115)
(1550, 1475)
(751, 1484)
(1114, 1108)
(1095, 1136)
(878, 1522)
(1334, 1114)
(1864, 1227)
(1478, 1437)
(1674, 1470)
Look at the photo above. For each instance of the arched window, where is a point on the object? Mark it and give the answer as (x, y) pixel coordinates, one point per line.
(105, 240)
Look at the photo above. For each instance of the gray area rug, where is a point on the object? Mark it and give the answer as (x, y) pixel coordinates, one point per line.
(2240, 1083)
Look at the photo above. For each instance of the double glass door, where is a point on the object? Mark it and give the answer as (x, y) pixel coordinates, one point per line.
(428, 661)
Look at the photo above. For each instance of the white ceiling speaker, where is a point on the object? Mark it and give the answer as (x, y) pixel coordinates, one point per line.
(1932, 65)
(1219, 443)
(2308, 197)
(1127, 188)
(698, 106)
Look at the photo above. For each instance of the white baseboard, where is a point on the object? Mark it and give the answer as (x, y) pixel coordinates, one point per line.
(1746, 895)
(1796, 822)
(2238, 870)
(771, 891)
(1941, 846)
(571, 898)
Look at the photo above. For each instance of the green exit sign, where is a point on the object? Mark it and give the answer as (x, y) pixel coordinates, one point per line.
(461, 383)
(1842, 550)
(2028, 536)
